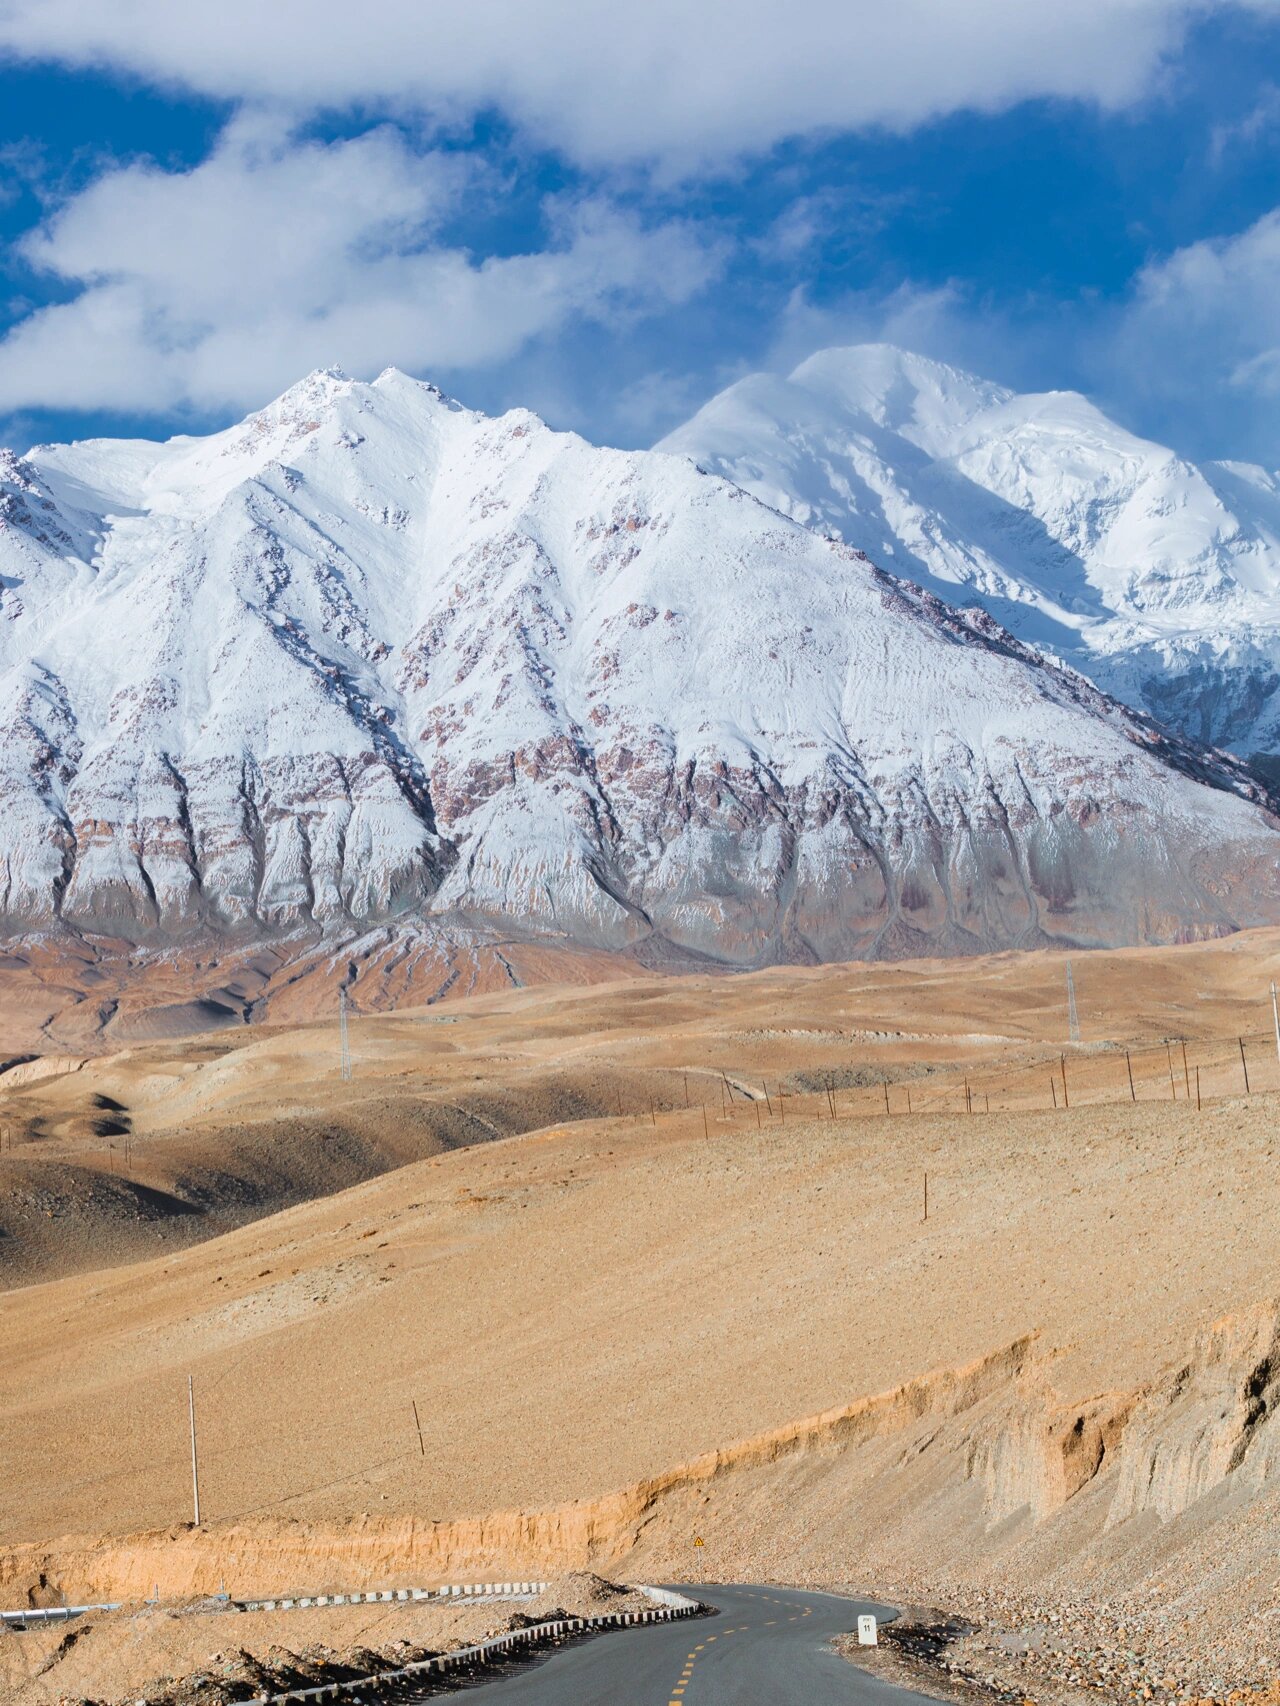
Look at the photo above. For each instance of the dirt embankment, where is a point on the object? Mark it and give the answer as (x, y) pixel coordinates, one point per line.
(1155, 1503)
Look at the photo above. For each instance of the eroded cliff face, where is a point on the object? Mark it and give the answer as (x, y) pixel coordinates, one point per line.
(961, 1477)
(372, 658)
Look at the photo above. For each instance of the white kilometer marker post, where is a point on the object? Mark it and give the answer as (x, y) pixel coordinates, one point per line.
(867, 1632)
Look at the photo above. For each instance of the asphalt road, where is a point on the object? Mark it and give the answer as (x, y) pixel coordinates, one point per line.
(767, 1647)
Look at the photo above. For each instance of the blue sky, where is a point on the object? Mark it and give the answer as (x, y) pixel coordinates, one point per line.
(607, 216)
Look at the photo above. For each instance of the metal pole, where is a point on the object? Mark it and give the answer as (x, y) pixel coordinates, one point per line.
(1275, 1014)
(417, 1424)
(1133, 1094)
(1244, 1066)
(195, 1461)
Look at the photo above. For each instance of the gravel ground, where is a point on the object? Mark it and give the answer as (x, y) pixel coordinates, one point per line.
(1014, 1648)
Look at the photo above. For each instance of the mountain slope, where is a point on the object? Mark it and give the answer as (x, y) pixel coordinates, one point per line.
(372, 656)
(1157, 578)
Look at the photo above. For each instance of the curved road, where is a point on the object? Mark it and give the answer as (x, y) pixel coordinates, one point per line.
(767, 1647)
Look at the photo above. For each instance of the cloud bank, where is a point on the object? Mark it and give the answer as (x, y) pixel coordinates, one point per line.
(200, 291)
(610, 83)
(210, 288)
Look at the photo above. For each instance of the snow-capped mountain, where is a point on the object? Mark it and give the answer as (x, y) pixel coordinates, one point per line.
(1159, 579)
(372, 656)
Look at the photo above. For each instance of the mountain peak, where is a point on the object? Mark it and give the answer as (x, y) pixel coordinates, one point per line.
(908, 393)
(318, 388)
(1156, 578)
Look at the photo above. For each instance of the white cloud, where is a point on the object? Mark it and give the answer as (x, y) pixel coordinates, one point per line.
(209, 288)
(1202, 331)
(1247, 132)
(610, 82)
(932, 321)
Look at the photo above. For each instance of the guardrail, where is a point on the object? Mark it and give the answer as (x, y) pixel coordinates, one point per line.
(49, 1614)
(668, 1608)
(388, 1596)
(36, 1615)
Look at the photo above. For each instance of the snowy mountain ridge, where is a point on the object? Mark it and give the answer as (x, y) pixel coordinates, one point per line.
(1155, 577)
(370, 656)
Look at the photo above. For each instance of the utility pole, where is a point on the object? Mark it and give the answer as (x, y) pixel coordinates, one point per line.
(1073, 1018)
(195, 1461)
(342, 1031)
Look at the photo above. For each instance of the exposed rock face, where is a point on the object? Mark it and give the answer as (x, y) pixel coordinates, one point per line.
(912, 1457)
(1155, 577)
(370, 656)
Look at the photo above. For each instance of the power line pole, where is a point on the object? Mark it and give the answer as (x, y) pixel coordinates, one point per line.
(1073, 1018)
(195, 1461)
(342, 1029)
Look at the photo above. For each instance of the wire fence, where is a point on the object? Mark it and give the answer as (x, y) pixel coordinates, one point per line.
(1182, 1070)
